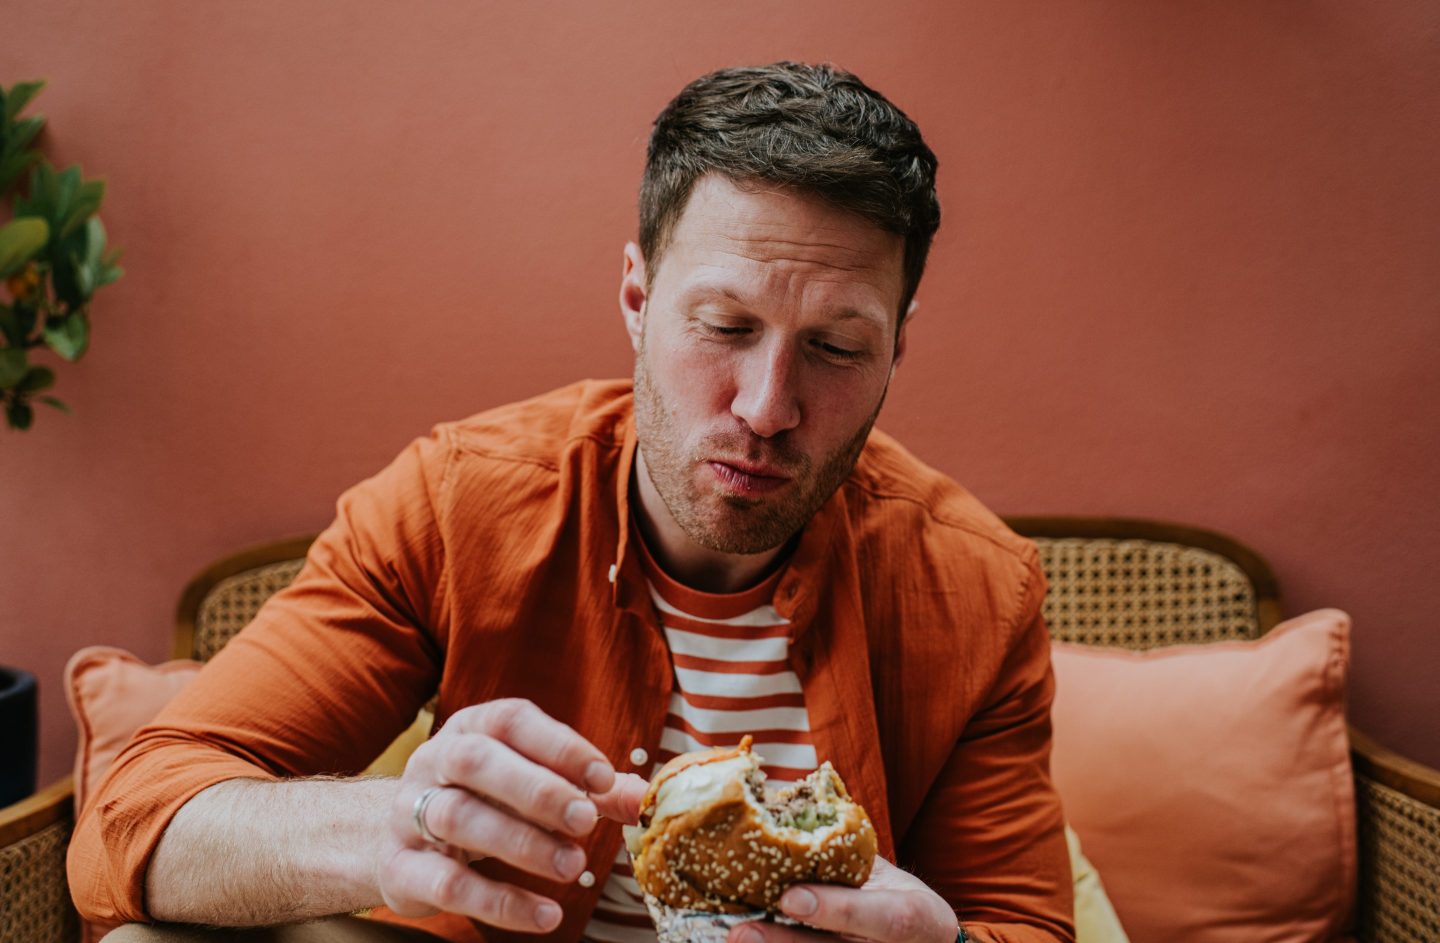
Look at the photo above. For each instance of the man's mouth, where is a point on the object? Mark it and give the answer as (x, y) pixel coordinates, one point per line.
(745, 478)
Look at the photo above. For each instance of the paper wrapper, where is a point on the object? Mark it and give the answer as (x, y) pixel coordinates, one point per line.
(673, 925)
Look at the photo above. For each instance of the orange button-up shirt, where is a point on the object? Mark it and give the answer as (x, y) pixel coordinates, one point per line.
(492, 559)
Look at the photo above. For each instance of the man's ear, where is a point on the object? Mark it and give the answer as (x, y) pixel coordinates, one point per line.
(632, 293)
(900, 338)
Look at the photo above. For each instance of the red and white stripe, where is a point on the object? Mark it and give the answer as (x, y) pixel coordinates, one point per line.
(732, 677)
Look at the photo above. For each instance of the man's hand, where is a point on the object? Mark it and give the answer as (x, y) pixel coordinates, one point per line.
(518, 785)
(893, 906)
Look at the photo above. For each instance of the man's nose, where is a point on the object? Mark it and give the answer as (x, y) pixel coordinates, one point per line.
(767, 399)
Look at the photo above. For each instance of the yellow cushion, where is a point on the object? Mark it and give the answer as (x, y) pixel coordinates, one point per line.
(1095, 920)
(392, 761)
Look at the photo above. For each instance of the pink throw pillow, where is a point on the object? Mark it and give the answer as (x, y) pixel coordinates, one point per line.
(1211, 784)
(113, 694)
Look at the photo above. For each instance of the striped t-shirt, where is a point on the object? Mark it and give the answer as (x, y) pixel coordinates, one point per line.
(732, 677)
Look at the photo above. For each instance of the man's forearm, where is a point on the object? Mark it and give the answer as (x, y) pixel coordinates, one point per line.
(251, 853)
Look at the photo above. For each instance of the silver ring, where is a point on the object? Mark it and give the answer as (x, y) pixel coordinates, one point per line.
(420, 803)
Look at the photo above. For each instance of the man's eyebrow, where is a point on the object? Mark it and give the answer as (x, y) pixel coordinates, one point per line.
(850, 314)
(698, 292)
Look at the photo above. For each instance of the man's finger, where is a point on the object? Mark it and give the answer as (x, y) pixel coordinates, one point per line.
(457, 818)
(872, 913)
(622, 803)
(491, 770)
(414, 880)
(765, 932)
(541, 738)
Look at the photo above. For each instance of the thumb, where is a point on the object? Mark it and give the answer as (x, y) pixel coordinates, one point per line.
(622, 801)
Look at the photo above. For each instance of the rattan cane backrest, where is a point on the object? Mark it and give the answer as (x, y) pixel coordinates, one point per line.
(1400, 885)
(35, 905)
(222, 600)
(1141, 584)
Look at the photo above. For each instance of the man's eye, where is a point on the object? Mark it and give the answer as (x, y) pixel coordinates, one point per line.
(724, 331)
(840, 353)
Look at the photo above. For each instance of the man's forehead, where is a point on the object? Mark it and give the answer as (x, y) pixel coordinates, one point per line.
(761, 229)
(772, 219)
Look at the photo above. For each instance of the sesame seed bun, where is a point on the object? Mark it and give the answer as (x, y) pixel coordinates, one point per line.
(709, 839)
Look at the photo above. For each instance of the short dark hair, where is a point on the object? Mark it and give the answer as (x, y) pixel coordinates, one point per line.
(814, 127)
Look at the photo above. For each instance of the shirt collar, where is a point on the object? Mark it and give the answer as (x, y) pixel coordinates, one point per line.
(625, 572)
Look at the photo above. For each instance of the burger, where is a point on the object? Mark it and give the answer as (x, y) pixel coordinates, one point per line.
(710, 841)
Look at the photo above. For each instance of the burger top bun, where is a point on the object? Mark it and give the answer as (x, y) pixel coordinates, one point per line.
(709, 838)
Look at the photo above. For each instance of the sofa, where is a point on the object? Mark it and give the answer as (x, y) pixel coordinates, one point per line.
(1132, 604)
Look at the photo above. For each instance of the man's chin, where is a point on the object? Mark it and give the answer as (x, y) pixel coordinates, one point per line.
(761, 533)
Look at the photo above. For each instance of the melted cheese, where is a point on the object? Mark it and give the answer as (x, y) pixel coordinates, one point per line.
(699, 785)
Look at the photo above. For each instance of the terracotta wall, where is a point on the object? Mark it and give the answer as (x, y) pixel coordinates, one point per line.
(1188, 270)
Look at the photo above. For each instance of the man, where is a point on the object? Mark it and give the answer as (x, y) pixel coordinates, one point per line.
(599, 578)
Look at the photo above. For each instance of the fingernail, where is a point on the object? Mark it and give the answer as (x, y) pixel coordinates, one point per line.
(799, 902)
(599, 777)
(547, 916)
(568, 862)
(748, 934)
(580, 815)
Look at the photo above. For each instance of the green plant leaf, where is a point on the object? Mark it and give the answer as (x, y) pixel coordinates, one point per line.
(52, 401)
(85, 275)
(91, 271)
(95, 242)
(108, 273)
(13, 166)
(19, 414)
(65, 277)
(10, 327)
(12, 366)
(86, 204)
(36, 379)
(68, 336)
(53, 196)
(39, 200)
(67, 191)
(19, 95)
(19, 136)
(25, 317)
(20, 240)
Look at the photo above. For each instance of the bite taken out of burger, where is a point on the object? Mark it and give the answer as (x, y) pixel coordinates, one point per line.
(710, 839)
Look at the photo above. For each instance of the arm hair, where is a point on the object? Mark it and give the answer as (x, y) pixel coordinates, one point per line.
(256, 853)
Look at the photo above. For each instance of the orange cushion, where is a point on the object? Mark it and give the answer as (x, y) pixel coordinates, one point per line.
(1211, 784)
(112, 694)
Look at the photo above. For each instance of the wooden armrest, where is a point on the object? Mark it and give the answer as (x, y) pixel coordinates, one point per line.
(1398, 813)
(28, 816)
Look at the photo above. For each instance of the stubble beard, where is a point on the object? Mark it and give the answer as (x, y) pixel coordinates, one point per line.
(730, 523)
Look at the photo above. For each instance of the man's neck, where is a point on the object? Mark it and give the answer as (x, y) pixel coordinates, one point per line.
(687, 562)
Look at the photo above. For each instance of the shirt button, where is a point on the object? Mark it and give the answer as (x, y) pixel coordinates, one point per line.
(613, 570)
(638, 756)
(587, 879)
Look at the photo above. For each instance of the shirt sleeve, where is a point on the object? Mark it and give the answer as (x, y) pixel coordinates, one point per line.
(331, 669)
(990, 835)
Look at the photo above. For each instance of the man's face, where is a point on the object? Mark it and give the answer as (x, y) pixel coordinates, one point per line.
(763, 351)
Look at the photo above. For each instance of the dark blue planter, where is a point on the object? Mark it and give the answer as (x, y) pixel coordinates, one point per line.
(17, 735)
